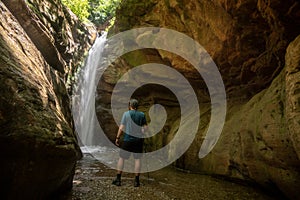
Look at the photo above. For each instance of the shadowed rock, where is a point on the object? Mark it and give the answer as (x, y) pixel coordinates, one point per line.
(38, 145)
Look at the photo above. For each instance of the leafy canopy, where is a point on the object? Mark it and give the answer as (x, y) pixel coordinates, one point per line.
(96, 11)
(79, 8)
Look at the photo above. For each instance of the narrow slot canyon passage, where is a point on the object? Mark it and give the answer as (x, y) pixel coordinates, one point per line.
(203, 95)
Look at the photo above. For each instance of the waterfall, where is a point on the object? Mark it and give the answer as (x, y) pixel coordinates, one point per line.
(83, 101)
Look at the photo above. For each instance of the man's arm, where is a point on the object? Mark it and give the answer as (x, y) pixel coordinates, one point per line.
(144, 128)
(120, 132)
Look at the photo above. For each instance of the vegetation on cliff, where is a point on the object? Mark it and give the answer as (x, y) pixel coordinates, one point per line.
(98, 12)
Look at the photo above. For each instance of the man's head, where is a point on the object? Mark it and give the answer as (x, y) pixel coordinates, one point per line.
(133, 103)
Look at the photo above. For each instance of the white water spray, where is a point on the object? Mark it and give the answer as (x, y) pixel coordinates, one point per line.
(84, 101)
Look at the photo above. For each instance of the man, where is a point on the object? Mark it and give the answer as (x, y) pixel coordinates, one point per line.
(134, 124)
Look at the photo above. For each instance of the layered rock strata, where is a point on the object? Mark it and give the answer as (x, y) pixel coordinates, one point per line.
(40, 44)
(255, 45)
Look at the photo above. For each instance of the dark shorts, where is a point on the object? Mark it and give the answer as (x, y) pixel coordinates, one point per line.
(135, 147)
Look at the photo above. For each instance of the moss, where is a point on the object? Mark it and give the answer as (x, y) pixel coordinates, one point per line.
(135, 58)
(129, 14)
(135, 7)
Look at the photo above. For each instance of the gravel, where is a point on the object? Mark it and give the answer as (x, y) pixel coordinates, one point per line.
(93, 180)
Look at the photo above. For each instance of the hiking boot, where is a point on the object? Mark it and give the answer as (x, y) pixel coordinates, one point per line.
(117, 182)
(136, 182)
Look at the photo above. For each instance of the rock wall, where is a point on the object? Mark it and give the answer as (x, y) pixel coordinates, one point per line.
(41, 43)
(258, 142)
(248, 40)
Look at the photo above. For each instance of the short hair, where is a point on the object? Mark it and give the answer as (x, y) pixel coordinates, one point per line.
(134, 103)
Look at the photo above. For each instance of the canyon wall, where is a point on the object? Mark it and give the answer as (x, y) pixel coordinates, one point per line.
(255, 45)
(42, 44)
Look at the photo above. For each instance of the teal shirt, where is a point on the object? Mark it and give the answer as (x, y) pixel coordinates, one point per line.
(133, 126)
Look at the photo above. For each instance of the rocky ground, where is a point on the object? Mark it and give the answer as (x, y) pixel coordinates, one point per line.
(93, 181)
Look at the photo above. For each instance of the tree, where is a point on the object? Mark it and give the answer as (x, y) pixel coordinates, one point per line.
(79, 8)
(97, 11)
(102, 11)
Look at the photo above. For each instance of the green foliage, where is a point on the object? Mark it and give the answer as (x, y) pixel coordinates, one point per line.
(97, 11)
(79, 8)
(102, 11)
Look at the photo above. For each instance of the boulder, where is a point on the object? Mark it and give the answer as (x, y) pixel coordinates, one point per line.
(39, 49)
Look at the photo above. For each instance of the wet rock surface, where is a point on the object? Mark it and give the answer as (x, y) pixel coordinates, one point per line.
(93, 180)
(37, 134)
(256, 49)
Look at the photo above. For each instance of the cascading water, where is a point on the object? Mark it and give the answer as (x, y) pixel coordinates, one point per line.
(90, 135)
(84, 96)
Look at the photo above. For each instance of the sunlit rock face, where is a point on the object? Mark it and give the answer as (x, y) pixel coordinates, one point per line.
(39, 46)
(255, 46)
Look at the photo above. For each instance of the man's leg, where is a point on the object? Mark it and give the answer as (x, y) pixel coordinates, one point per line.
(120, 166)
(137, 169)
